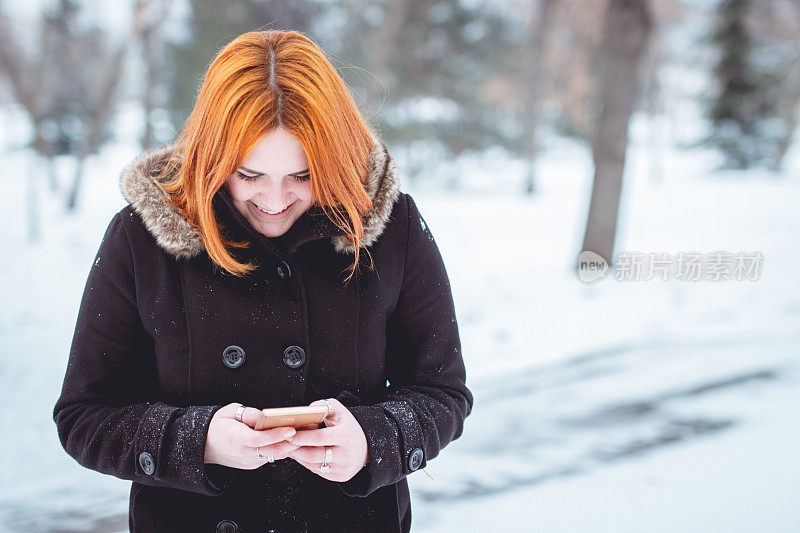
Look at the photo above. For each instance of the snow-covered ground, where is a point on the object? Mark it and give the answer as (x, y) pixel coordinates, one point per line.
(620, 406)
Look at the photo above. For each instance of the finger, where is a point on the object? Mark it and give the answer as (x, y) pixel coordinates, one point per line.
(250, 416)
(314, 467)
(280, 450)
(336, 409)
(334, 474)
(264, 437)
(314, 454)
(229, 411)
(317, 437)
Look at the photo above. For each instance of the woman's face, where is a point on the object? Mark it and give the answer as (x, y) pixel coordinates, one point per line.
(273, 177)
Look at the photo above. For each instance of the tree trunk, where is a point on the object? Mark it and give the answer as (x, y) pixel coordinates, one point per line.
(102, 112)
(382, 40)
(791, 104)
(626, 29)
(655, 109)
(148, 98)
(536, 47)
(33, 200)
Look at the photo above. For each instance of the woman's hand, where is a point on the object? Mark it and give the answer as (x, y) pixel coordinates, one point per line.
(342, 435)
(233, 443)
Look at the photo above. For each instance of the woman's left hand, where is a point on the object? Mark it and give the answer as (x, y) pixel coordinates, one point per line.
(342, 435)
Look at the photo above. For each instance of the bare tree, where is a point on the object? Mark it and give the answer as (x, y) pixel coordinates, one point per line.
(152, 60)
(101, 113)
(626, 30)
(84, 94)
(381, 47)
(783, 27)
(25, 91)
(542, 24)
(790, 108)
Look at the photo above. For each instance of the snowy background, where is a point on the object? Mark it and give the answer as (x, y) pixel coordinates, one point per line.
(618, 406)
(621, 406)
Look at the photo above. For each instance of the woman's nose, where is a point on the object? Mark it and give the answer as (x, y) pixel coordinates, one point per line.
(275, 194)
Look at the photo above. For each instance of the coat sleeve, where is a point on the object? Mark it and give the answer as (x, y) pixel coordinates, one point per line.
(427, 399)
(108, 416)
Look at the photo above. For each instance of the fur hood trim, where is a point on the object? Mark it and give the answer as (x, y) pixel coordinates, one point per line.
(174, 234)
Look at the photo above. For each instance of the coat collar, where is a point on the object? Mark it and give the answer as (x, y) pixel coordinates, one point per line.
(174, 234)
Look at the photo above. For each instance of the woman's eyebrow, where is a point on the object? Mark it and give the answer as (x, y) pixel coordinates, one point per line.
(261, 173)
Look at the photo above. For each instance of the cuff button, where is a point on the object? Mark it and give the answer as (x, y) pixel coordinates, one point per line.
(147, 463)
(227, 526)
(415, 459)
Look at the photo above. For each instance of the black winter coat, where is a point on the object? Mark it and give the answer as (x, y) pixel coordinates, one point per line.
(164, 339)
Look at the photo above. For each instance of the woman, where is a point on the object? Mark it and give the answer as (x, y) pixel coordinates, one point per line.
(200, 310)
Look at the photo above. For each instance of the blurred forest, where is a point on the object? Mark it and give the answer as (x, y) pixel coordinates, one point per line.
(438, 78)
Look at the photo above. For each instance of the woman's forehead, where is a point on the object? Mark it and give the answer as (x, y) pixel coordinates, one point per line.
(277, 152)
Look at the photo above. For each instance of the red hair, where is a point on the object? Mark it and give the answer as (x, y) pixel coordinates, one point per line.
(257, 82)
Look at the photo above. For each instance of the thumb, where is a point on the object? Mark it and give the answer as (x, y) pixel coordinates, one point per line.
(334, 415)
(250, 415)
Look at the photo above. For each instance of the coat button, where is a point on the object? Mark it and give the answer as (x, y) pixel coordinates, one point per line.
(233, 356)
(147, 463)
(294, 356)
(415, 460)
(284, 270)
(227, 526)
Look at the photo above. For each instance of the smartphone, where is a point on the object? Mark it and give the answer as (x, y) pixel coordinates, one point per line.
(296, 417)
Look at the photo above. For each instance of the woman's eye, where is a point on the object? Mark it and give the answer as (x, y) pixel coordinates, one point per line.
(246, 177)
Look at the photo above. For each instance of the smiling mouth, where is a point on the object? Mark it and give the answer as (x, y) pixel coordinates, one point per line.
(272, 214)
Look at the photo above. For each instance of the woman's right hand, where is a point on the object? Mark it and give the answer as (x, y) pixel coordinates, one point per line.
(233, 443)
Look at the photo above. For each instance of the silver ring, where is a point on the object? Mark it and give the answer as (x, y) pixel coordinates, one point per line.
(270, 459)
(239, 411)
(330, 407)
(325, 468)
